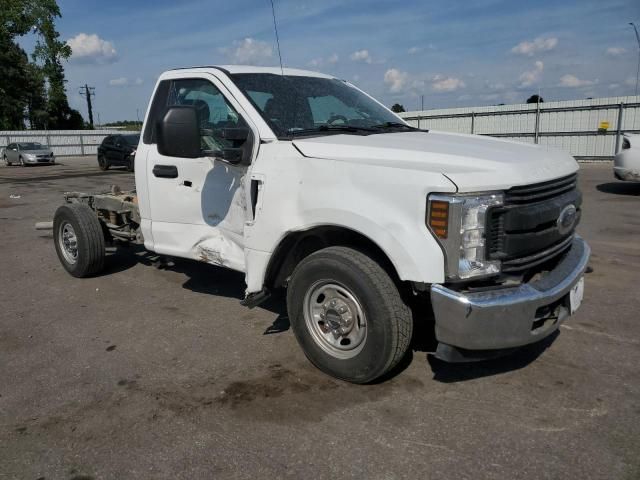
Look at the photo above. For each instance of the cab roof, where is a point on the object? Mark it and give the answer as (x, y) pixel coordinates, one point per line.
(232, 69)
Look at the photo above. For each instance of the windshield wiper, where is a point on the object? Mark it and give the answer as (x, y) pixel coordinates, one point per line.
(391, 125)
(332, 128)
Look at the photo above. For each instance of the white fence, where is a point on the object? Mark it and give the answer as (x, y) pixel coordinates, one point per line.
(64, 143)
(574, 126)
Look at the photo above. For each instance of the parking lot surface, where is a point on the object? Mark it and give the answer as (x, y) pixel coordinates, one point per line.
(154, 371)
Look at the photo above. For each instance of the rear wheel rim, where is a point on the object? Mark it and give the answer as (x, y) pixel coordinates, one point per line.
(68, 242)
(335, 319)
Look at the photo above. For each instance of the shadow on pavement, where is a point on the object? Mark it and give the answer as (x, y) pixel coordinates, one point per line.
(459, 372)
(620, 188)
(211, 280)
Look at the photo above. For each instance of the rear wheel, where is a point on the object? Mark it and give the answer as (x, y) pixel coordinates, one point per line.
(348, 315)
(102, 163)
(131, 165)
(79, 240)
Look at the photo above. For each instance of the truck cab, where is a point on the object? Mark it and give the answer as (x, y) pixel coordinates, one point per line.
(304, 182)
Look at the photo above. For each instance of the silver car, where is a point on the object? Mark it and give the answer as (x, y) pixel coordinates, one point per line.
(28, 153)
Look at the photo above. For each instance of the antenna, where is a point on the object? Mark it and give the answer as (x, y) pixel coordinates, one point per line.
(275, 27)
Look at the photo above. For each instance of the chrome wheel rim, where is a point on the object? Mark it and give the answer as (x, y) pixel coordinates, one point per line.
(335, 318)
(68, 242)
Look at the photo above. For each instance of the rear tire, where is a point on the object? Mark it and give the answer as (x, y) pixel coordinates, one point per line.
(347, 315)
(131, 165)
(79, 240)
(102, 163)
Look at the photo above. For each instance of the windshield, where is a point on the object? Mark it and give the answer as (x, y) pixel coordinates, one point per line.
(31, 146)
(294, 105)
(132, 140)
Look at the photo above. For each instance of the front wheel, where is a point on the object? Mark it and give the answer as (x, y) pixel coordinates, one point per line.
(102, 163)
(347, 315)
(79, 239)
(7, 162)
(131, 165)
(21, 160)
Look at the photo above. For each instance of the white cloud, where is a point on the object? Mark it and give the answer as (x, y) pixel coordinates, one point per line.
(396, 80)
(540, 44)
(616, 51)
(495, 86)
(119, 82)
(572, 81)
(414, 50)
(530, 77)
(92, 49)
(630, 81)
(248, 51)
(448, 84)
(125, 82)
(330, 60)
(614, 86)
(361, 56)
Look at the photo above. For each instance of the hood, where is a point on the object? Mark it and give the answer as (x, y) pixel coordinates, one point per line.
(472, 162)
(42, 151)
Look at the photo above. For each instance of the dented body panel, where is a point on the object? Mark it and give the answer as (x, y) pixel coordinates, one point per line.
(375, 185)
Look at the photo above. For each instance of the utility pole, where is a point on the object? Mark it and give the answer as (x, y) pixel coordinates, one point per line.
(638, 39)
(88, 92)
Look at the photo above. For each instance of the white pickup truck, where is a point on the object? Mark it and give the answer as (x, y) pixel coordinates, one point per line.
(302, 181)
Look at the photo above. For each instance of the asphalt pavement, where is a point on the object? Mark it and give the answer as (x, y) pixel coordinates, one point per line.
(151, 371)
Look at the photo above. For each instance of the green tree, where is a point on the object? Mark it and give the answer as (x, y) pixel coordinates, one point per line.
(22, 92)
(397, 108)
(535, 99)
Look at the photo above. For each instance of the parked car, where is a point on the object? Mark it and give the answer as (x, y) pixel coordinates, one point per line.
(118, 150)
(626, 164)
(305, 183)
(28, 153)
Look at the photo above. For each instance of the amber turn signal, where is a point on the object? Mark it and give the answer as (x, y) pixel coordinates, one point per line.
(439, 217)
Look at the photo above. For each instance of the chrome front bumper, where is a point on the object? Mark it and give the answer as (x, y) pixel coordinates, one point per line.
(508, 317)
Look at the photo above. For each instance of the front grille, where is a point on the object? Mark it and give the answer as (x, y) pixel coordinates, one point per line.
(541, 191)
(524, 232)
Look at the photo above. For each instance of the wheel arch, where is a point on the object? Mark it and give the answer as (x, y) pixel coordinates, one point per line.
(296, 245)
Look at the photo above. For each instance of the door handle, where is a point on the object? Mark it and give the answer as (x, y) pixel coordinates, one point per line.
(165, 171)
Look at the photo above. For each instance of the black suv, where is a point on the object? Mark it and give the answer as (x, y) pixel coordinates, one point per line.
(118, 150)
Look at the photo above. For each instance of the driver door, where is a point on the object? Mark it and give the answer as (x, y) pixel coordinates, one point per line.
(198, 204)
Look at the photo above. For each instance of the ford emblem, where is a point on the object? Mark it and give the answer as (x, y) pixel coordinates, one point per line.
(567, 219)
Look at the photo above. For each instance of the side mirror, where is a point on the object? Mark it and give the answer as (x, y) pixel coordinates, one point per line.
(179, 133)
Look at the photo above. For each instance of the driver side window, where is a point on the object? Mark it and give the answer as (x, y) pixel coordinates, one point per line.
(215, 114)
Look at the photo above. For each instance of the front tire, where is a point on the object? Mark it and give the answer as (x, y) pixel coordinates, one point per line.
(7, 162)
(21, 160)
(102, 163)
(347, 315)
(79, 240)
(131, 165)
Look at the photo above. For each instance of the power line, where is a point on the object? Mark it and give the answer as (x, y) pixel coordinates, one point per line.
(88, 92)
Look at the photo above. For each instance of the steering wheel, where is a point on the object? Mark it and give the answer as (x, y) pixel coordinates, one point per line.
(334, 118)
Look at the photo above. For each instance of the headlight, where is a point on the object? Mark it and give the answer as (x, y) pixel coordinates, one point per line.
(29, 156)
(458, 222)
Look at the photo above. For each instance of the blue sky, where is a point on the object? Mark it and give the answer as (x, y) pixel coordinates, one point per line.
(455, 53)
